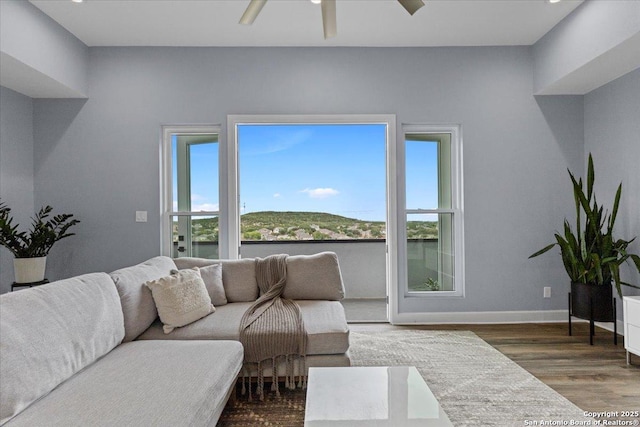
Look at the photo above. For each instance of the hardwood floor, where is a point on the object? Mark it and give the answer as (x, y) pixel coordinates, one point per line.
(595, 378)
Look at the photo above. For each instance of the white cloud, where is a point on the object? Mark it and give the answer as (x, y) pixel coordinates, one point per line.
(277, 195)
(320, 193)
(199, 204)
(205, 207)
(198, 207)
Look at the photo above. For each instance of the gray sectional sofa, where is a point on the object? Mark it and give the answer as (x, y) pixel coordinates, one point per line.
(90, 350)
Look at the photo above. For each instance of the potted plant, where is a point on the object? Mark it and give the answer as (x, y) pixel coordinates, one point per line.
(591, 255)
(31, 247)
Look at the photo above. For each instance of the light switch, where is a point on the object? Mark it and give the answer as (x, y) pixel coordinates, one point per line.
(141, 216)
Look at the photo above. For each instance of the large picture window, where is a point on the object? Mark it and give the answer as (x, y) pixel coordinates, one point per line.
(312, 182)
(308, 178)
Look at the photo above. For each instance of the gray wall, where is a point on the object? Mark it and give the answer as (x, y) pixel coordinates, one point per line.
(581, 42)
(49, 48)
(16, 168)
(612, 135)
(99, 160)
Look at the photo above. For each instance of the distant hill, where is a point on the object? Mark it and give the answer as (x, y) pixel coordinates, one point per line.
(270, 225)
(307, 226)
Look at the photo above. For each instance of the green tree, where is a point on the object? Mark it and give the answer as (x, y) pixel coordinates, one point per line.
(252, 235)
(318, 235)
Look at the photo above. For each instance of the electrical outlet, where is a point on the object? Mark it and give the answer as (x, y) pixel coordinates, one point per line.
(547, 292)
(141, 216)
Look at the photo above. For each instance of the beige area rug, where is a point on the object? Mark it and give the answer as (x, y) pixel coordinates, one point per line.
(475, 383)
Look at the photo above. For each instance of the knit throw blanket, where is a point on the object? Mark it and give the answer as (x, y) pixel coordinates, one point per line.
(272, 330)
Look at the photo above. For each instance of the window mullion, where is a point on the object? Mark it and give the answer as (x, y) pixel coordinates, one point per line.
(430, 211)
(192, 213)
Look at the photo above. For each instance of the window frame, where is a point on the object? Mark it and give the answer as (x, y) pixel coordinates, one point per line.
(456, 210)
(166, 179)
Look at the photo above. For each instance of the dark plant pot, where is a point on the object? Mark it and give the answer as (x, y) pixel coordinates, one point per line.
(602, 297)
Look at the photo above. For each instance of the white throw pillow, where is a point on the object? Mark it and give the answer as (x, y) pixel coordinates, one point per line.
(180, 298)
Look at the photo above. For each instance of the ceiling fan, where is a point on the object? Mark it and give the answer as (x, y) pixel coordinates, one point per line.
(328, 13)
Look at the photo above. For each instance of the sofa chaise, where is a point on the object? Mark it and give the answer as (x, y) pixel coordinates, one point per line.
(90, 350)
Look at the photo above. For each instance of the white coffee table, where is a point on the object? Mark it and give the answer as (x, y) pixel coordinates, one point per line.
(371, 396)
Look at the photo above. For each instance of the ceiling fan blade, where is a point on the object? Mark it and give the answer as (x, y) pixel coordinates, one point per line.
(252, 11)
(329, 24)
(411, 6)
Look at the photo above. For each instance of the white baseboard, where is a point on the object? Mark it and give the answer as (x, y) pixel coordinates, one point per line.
(481, 317)
(494, 317)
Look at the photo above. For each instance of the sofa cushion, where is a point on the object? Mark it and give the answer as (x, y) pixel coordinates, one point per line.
(137, 303)
(211, 272)
(327, 329)
(190, 262)
(148, 383)
(314, 277)
(212, 278)
(51, 332)
(181, 298)
(238, 276)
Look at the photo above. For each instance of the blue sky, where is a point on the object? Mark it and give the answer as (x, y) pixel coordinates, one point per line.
(338, 169)
(422, 174)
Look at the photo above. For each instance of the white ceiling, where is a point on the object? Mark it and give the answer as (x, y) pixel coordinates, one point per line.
(299, 22)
